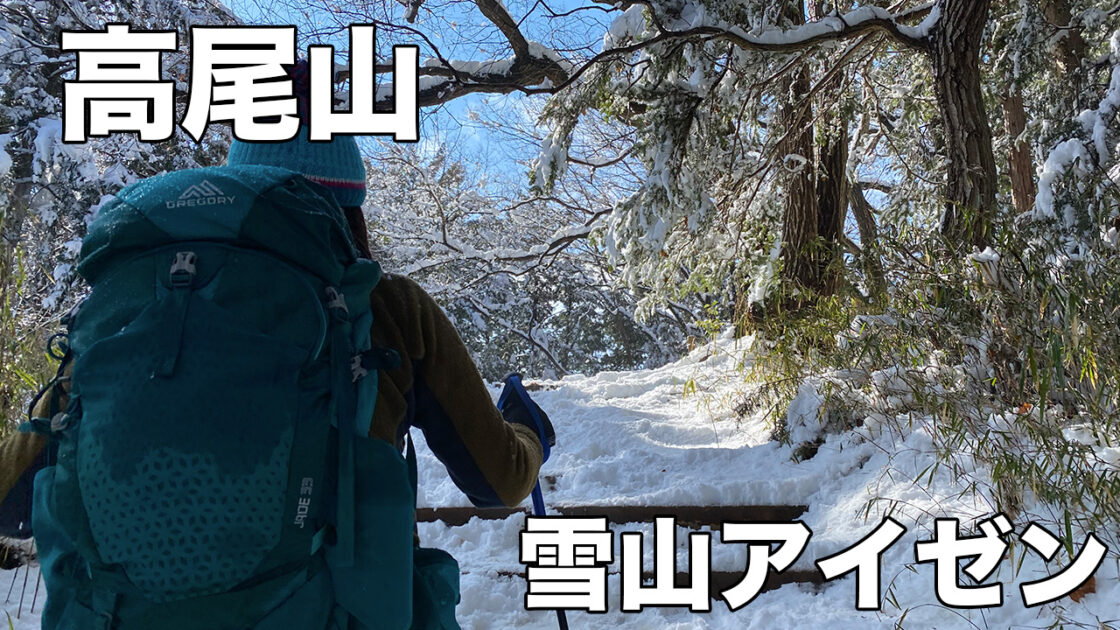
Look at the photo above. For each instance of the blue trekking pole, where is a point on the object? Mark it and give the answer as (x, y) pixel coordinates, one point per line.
(547, 437)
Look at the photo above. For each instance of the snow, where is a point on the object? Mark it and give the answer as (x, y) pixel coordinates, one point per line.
(765, 276)
(635, 438)
(630, 25)
(817, 28)
(1112, 237)
(5, 159)
(673, 436)
(1060, 159)
(794, 162)
(803, 416)
(1096, 121)
(60, 278)
(475, 70)
(921, 31)
(988, 255)
(777, 36)
(538, 50)
(50, 151)
(479, 68)
(47, 139)
(551, 162)
(1074, 152)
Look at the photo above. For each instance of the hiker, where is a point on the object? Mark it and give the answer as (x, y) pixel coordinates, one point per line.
(437, 388)
(493, 455)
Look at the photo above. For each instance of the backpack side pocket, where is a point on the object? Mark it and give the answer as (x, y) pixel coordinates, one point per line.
(435, 589)
(371, 587)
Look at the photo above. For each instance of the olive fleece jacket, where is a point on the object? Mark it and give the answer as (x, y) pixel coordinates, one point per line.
(437, 388)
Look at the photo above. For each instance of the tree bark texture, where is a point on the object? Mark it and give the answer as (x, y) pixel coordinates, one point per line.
(971, 178)
(831, 166)
(1019, 161)
(800, 269)
(1069, 49)
(832, 198)
(816, 190)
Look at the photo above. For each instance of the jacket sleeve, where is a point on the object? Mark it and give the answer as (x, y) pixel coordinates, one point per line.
(494, 463)
(21, 456)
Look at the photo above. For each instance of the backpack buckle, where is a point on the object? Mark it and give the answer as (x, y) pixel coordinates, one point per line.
(183, 269)
(358, 370)
(373, 359)
(60, 422)
(336, 299)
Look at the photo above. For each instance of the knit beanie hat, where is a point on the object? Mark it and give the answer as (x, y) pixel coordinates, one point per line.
(336, 164)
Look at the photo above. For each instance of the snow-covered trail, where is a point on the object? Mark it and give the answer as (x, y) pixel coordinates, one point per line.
(671, 436)
(637, 438)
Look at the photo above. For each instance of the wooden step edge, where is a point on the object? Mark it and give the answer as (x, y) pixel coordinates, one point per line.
(686, 516)
(455, 516)
(720, 581)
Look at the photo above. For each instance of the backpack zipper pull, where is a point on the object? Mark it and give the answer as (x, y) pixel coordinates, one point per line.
(336, 302)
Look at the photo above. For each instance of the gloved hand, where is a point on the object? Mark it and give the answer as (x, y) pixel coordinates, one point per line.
(518, 408)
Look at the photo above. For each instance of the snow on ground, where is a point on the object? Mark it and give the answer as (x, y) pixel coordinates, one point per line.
(670, 436)
(636, 438)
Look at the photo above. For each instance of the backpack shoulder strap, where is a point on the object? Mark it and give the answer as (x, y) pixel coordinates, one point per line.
(413, 475)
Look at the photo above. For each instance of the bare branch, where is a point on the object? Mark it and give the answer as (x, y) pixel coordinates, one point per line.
(533, 71)
(499, 17)
(527, 336)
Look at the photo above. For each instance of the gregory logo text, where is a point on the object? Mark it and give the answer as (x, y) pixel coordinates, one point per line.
(201, 194)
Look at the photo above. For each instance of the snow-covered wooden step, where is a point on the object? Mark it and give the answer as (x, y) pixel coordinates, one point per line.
(720, 581)
(687, 516)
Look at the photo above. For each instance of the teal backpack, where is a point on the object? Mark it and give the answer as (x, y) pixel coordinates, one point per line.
(212, 469)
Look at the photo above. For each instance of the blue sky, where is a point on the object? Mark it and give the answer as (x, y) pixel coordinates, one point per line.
(447, 124)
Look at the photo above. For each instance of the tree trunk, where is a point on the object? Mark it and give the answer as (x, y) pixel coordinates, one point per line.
(971, 179)
(1019, 162)
(869, 243)
(816, 190)
(832, 199)
(1069, 48)
(800, 270)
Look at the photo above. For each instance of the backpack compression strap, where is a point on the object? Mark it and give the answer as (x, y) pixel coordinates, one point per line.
(349, 369)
